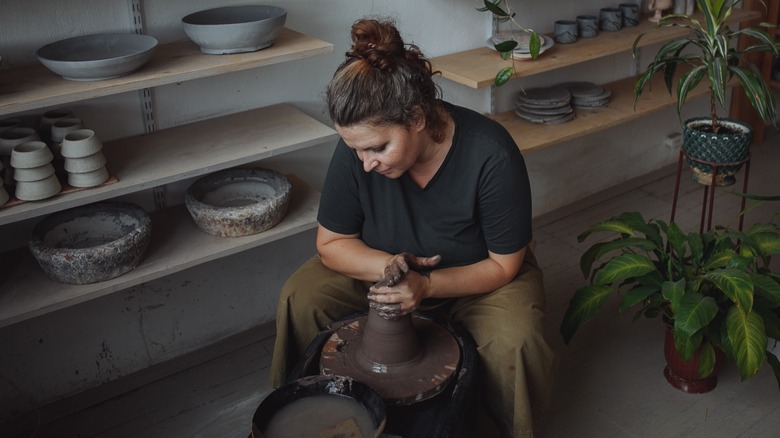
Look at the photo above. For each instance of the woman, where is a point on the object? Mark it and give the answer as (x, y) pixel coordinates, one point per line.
(432, 200)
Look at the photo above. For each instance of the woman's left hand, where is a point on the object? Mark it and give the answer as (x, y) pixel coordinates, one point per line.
(393, 302)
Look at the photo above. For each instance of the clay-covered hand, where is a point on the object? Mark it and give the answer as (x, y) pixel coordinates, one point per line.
(400, 264)
(393, 302)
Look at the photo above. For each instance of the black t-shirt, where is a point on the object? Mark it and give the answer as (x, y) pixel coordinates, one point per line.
(479, 199)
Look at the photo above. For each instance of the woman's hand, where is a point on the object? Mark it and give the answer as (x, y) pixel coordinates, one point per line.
(400, 264)
(393, 302)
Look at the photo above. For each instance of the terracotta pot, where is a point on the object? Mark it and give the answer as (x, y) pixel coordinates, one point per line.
(685, 375)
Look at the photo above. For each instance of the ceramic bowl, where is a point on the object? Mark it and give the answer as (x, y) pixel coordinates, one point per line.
(91, 243)
(30, 154)
(64, 126)
(352, 407)
(234, 29)
(238, 202)
(15, 136)
(34, 173)
(88, 179)
(80, 143)
(9, 123)
(97, 57)
(85, 164)
(38, 190)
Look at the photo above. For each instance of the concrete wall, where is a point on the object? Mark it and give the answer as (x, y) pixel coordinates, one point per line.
(83, 346)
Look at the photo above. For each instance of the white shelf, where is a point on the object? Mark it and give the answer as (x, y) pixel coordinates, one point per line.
(186, 151)
(33, 87)
(176, 244)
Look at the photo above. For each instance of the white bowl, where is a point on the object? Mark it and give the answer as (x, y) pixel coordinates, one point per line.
(238, 202)
(80, 143)
(61, 127)
(91, 243)
(33, 173)
(37, 190)
(31, 154)
(97, 57)
(88, 179)
(234, 29)
(85, 164)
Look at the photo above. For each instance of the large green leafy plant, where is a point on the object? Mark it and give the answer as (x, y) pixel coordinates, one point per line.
(709, 51)
(502, 11)
(715, 290)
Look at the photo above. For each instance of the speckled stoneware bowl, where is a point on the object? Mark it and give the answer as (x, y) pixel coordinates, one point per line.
(238, 202)
(91, 243)
(234, 29)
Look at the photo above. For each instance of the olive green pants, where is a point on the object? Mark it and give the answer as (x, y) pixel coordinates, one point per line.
(516, 363)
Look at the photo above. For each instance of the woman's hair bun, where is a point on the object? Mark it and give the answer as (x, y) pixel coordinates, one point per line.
(377, 42)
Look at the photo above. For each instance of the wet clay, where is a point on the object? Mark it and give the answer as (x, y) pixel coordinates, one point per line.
(406, 360)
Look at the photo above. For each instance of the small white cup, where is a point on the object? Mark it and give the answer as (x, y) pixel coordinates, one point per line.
(88, 179)
(37, 190)
(85, 164)
(33, 173)
(15, 136)
(30, 154)
(80, 143)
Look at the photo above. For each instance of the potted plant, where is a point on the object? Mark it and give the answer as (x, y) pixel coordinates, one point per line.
(714, 291)
(711, 58)
(505, 47)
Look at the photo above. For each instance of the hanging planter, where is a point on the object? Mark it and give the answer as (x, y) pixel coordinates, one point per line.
(724, 152)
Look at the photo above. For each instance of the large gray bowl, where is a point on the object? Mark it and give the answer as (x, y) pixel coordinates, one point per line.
(91, 243)
(234, 29)
(238, 202)
(97, 57)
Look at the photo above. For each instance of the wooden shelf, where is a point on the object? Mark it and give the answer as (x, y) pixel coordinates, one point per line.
(34, 87)
(533, 136)
(176, 244)
(477, 68)
(186, 151)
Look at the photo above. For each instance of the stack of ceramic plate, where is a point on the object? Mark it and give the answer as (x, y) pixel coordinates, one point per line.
(588, 94)
(547, 105)
(523, 48)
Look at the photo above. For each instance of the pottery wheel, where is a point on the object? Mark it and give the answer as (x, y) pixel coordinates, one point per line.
(398, 384)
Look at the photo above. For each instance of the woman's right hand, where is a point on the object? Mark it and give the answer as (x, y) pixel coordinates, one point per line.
(399, 264)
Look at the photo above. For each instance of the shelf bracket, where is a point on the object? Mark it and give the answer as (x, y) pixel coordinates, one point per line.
(147, 104)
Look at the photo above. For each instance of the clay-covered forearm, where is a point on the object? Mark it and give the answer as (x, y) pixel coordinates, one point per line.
(350, 256)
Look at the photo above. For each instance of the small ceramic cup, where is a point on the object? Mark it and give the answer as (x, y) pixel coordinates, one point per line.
(630, 13)
(60, 129)
(33, 173)
(7, 124)
(611, 19)
(31, 154)
(565, 31)
(15, 136)
(37, 190)
(80, 143)
(85, 164)
(49, 117)
(587, 26)
(88, 179)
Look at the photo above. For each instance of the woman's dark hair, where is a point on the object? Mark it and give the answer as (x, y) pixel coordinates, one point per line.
(384, 81)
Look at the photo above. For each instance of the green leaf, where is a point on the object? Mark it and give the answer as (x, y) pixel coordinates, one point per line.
(720, 259)
(767, 243)
(614, 225)
(586, 303)
(504, 75)
(687, 346)
(748, 340)
(767, 287)
(706, 359)
(775, 364)
(694, 312)
(506, 46)
(737, 285)
(623, 267)
(637, 295)
(676, 239)
(600, 249)
(534, 45)
(495, 9)
(696, 245)
(673, 291)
